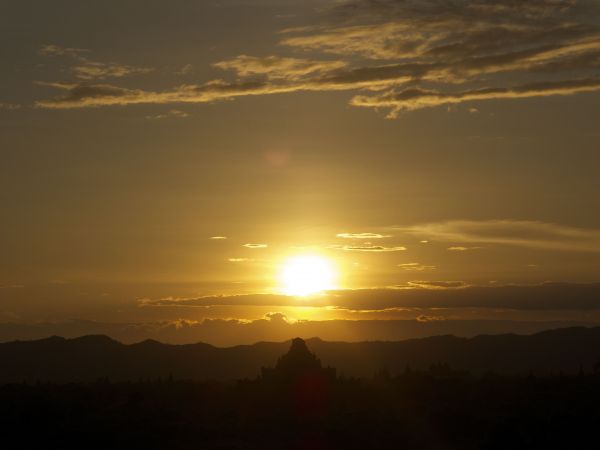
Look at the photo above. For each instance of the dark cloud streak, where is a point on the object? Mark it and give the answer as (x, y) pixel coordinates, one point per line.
(422, 294)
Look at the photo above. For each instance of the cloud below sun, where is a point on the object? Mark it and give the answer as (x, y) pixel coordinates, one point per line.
(418, 294)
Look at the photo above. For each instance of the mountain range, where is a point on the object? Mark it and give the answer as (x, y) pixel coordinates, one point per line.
(89, 358)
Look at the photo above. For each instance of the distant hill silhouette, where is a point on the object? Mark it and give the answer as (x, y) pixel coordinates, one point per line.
(89, 358)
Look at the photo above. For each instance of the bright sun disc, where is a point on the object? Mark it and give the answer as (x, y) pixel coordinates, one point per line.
(305, 275)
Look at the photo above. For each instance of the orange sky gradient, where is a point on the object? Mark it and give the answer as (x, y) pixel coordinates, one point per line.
(163, 162)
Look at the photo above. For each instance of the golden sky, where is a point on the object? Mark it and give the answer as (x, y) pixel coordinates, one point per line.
(165, 162)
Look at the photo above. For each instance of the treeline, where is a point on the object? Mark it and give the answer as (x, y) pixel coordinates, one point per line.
(433, 409)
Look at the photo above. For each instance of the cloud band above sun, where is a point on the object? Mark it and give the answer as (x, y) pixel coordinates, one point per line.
(403, 56)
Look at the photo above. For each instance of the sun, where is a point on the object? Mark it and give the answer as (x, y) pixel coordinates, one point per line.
(306, 274)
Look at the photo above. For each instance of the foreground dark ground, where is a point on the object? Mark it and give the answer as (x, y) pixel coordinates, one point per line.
(435, 409)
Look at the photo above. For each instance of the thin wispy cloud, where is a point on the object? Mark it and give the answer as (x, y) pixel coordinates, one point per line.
(428, 318)
(276, 67)
(185, 70)
(362, 235)
(57, 50)
(94, 70)
(530, 234)
(86, 69)
(9, 106)
(439, 284)
(415, 98)
(416, 267)
(254, 246)
(173, 113)
(94, 95)
(367, 248)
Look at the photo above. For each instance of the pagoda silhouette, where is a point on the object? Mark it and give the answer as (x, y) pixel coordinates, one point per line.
(297, 364)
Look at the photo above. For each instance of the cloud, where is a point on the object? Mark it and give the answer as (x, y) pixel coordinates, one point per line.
(237, 260)
(413, 54)
(89, 95)
(439, 284)
(255, 245)
(176, 113)
(362, 235)
(87, 69)
(94, 95)
(370, 41)
(420, 294)
(367, 248)
(86, 95)
(377, 78)
(459, 248)
(426, 318)
(9, 106)
(458, 43)
(56, 50)
(277, 317)
(396, 28)
(219, 300)
(218, 238)
(185, 70)
(415, 98)
(468, 37)
(415, 267)
(276, 67)
(95, 70)
(530, 234)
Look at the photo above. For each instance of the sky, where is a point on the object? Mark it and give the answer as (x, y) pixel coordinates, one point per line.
(163, 164)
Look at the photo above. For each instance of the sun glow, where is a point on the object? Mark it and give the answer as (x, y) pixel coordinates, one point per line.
(306, 274)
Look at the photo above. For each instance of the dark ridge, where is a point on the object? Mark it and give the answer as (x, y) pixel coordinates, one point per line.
(89, 358)
(148, 343)
(95, 339)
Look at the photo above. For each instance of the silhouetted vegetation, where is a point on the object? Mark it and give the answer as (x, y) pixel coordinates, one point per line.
(300, 405)
(416, 410)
